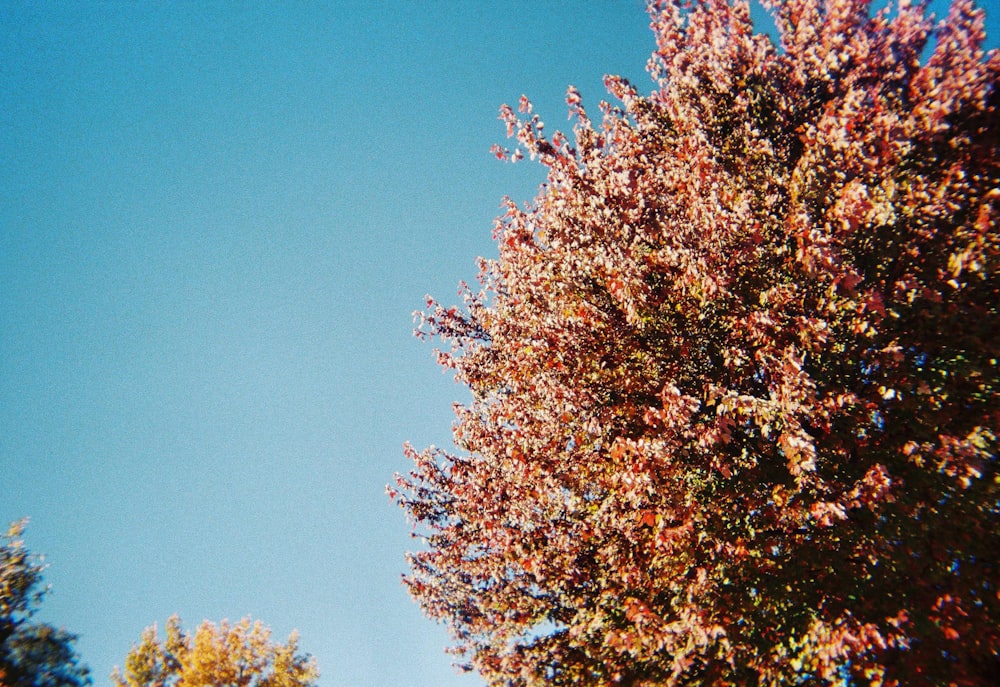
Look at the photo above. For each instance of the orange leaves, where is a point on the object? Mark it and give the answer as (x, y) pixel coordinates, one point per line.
(618, 450)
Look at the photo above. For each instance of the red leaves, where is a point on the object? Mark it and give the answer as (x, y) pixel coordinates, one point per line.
(575, 103)
(735, 395)
(826, 514)
(799, 451)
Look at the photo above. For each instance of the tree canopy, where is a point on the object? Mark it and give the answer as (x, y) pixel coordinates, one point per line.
(223, 655)
(734, 374)
(32, 654)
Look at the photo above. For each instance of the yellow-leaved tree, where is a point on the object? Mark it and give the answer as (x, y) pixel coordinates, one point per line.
(223, 655)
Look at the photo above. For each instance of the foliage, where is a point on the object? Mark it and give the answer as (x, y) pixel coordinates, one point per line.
(32, 654)
(224, 655)
(735, 371)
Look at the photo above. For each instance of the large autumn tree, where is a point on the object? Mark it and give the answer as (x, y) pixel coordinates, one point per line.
(735, 372)
(32, 653)
(216, 655)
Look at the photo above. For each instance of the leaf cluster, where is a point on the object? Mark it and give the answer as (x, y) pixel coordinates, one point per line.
(225, 655)
(736, 392)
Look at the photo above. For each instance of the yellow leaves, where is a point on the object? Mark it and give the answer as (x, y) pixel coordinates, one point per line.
(235, 655)
(779, 495)
(863, 327)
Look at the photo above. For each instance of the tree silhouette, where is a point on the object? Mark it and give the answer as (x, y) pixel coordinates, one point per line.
(32, 654)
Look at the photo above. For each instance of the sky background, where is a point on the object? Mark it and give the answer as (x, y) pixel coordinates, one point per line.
(216, 219)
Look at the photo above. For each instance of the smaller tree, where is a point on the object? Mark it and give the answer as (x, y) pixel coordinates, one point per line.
(234, 655)
(31, 654)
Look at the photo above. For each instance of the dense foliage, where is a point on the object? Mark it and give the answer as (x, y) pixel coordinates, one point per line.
(224, 655)
(32, 654)
(735, 372)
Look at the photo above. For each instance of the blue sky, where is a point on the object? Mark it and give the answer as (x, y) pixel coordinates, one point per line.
(215, 221)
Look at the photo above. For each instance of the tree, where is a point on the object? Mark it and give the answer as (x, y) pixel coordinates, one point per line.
(224, 655)
(734, 374)
(32, 654)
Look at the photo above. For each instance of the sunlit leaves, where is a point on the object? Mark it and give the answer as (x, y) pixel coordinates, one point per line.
(734, 373)
(217, 655)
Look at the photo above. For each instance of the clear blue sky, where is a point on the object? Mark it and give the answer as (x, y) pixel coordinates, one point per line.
(215, 221)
